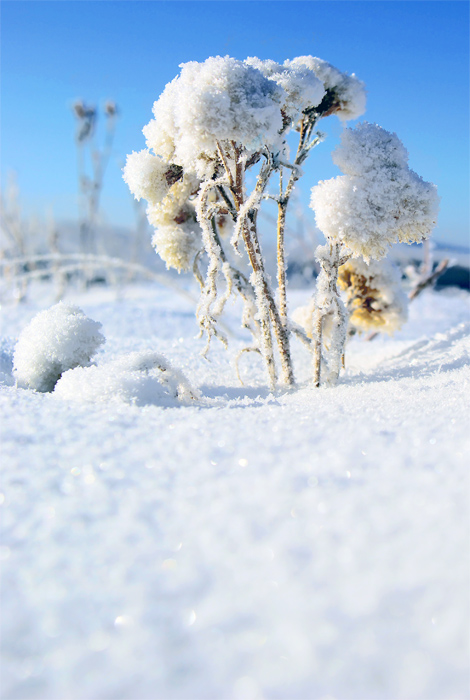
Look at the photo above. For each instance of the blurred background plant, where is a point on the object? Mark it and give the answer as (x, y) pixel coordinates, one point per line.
(86, 252)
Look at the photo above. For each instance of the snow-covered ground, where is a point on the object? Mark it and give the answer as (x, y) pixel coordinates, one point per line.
(303, 545)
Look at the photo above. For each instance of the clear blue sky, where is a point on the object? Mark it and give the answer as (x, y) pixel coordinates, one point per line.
(413, 57)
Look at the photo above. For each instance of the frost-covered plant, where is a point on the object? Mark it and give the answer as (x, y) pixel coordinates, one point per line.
(374, 295)
(377, 202)
(214, 122)
(56, 340)
(140, 378)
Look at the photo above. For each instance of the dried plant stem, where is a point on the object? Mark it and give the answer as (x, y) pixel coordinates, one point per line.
(329, 304)
(267, 309)
(303, 150)
(281, 260)
(317, 348)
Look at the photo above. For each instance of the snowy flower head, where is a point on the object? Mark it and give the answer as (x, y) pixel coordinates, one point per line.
(148, 176)
(367, 149)
(177, 236)
(301, 87)
(381, 202)
(219, 100)
(346, 95)
(374, 295)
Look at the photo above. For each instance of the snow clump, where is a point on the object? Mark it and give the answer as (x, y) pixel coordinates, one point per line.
(178, 236)
(57, 339)
(379, 201)
(140, 378)
(346, 93)
(146, 176)
(220, 100)
(301, 86)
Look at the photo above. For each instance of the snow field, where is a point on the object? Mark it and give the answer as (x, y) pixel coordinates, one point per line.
(301, 545)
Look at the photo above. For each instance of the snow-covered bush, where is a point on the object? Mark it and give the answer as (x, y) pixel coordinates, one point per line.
(374, 295)
(140, 378)
(222, 117)
(214, 122)
(377, 202)
(56, 340)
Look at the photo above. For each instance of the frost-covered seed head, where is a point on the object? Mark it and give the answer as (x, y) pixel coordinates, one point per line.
(347, 93)
(146, 176)
(382, 203)
(177, 236)
(56, 340)
(369, 148)
(301, 86)
(221, 99)
(374, 295)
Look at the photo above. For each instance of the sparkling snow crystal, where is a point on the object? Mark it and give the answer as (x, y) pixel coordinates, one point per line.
(57, 339)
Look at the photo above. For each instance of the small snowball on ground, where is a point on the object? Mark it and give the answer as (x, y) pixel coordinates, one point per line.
(56, 340)
(140, 378)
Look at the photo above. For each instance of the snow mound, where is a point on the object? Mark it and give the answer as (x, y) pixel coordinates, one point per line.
(56, 340)
(6, 361)
(140, 378)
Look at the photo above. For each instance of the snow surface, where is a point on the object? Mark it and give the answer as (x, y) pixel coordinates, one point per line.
(303, 545)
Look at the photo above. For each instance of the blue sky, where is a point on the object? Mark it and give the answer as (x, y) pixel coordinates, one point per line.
(413, 57)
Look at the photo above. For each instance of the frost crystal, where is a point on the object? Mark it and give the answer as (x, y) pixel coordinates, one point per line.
(374, 295)
(380, 201)
(57, 339)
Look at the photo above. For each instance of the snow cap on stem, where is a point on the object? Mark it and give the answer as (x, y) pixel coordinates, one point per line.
(347, 92)
(147, 176)
(177, 236)
(301, 86)
(220, 100)
(380, 201)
